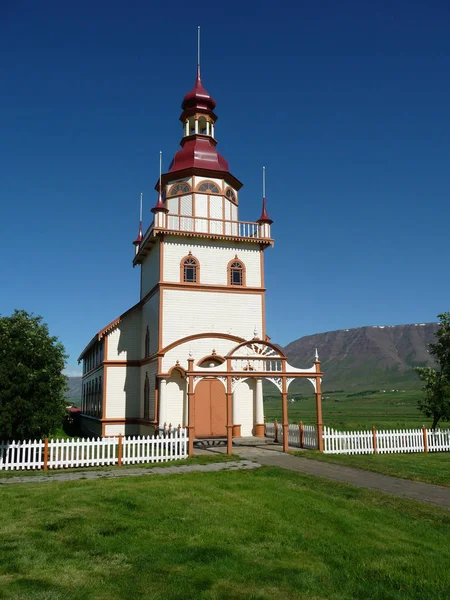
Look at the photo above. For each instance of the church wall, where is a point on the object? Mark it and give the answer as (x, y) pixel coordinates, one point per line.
(150, 319)
(245, 393)
(150, 270)
(189, 312)
(122, 428)
(150, 368)
(124, 341)
(175, 398)
(214, 258)
(91, 428)
(200, 348)
(122, 392)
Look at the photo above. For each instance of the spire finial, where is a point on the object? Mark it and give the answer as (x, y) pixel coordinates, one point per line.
(316, 355)
(159, 206)
(264, 218)
(198, 51)
(160, 170)
(138, 240)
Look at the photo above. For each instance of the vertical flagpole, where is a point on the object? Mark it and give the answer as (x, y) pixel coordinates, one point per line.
(264, 182)
(198, 50)
(140, 210)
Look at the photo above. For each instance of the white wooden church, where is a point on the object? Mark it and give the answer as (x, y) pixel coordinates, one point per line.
(194, 350)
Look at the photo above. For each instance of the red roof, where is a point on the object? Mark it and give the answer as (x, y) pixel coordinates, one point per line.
(198, 97)
(199, 152)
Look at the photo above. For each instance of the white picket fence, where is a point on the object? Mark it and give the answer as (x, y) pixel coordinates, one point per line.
(99, 452)
(363, 442)
(294, 434)
(385, 441)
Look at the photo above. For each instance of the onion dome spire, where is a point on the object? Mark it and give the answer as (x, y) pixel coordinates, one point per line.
(138, 240)
(264, 218)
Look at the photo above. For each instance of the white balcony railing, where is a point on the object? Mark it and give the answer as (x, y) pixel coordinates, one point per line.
(213, 226)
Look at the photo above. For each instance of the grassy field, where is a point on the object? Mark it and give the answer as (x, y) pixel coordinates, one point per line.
(433, 467)
(265, 534)
(342, 410)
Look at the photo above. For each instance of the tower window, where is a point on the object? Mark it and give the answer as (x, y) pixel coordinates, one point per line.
(237, 271)
(180, 188)
(147, 344)
(230, 195)
(208, 186)
(190, 269)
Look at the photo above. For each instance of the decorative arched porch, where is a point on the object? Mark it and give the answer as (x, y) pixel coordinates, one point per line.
(252, 360)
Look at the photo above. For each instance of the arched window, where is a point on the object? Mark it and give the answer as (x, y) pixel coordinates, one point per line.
(230, 195)
(208, 186)
(180, 188)
(146, 398)
(236, 270)
(147, 344)
(190, 269)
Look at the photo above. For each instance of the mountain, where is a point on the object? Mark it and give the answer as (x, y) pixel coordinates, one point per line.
(377, 357)
(73, 394)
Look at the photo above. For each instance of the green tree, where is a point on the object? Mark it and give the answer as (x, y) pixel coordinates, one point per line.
(436, 402)
(32, 385)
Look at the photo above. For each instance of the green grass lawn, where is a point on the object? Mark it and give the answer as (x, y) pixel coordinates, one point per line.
(390, 410)
(262, 534)
(431, 467)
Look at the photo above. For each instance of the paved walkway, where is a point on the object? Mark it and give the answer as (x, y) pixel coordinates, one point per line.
(414, 490)
(111, 474)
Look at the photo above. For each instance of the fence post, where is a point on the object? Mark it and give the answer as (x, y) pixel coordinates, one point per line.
(374, 436)
(302, 434)
(45, 454)
(120, 450)
(425, 441)
(275, 431)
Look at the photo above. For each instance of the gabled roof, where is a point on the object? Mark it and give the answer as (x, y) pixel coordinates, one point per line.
(98, 336)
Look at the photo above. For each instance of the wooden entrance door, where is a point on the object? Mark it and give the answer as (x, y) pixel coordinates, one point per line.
(210, 409)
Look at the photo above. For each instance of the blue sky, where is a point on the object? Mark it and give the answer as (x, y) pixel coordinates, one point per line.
(347, 104)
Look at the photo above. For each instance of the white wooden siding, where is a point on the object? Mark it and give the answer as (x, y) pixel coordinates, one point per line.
(201, 205)
(172, 205)
(188, 312)
(175, 398)
(124, 341)
(93, 375)
(122, 392)
(186, 205)
(245, 400)
(151, 368)
(216, 207)
(200, 348)
(150, 319)
(150, 270)
(91, 428)
(118, 429)
(214, 258)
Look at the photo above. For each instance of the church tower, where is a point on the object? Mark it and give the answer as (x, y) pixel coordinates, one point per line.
(202, 279)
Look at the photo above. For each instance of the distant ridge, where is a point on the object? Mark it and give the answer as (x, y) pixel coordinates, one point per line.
(377, 356)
